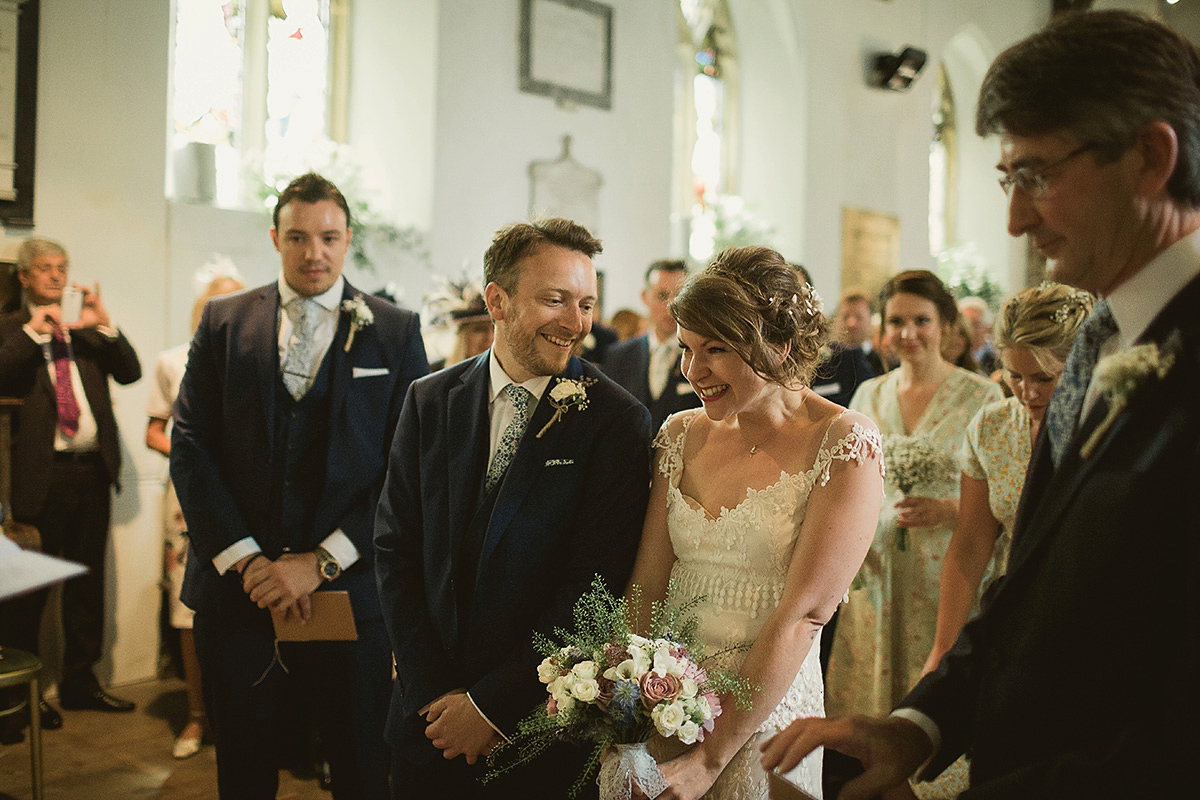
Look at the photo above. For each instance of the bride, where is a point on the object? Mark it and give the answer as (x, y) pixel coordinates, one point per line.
(764, 502)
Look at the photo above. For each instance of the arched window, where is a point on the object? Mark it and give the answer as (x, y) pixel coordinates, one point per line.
(943, 159)
(706, 122)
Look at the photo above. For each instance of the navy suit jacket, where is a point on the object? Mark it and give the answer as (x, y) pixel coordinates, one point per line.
(569, 507)
(1080, 678)
(222, 448)
(23, 374)
(628, 363)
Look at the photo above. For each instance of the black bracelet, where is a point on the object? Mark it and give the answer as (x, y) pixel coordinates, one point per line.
(246, 566)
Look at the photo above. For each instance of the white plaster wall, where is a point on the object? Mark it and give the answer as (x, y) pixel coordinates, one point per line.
(488, 132)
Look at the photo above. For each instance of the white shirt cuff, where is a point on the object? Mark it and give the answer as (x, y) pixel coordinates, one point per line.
(40, 338)
(235, 553)
(488, 721)
(341, 548)
(927, 725)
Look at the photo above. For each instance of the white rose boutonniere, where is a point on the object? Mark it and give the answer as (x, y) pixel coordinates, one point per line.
(568, 393)
(1119, 377)
(360, 316)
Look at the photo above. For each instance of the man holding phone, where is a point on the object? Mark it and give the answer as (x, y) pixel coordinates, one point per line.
(56, 354)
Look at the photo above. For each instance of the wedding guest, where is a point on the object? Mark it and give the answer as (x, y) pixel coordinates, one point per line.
(977, 319)
(922, 408)
(474, 331)
(515, 477)
(627, 323)
(1078, 678)
(647, 366)
(66, 458)
(854, 327)
(956, 347)
(217, 278)
(762, 506)
(281, 432)
(1034, 333)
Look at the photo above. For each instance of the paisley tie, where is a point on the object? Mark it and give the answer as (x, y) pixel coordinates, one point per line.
(298, 366)
(64, 389)
(1062, 415)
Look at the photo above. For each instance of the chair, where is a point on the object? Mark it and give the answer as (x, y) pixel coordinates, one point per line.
(18, 667)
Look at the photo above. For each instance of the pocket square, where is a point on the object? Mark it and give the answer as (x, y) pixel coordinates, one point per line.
(369, 372)
(560, 462)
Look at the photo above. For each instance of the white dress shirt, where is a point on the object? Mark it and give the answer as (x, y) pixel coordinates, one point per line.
(85, 438)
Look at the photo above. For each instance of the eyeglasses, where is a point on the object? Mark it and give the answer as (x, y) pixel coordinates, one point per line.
(1032, 181)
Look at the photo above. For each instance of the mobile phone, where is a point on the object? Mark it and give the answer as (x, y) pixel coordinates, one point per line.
(72, 305)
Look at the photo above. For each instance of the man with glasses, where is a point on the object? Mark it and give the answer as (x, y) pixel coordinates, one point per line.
(66, 457)
(1079, 679)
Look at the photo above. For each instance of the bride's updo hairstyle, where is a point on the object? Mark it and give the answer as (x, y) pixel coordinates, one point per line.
(1044, 319)
(752, 300)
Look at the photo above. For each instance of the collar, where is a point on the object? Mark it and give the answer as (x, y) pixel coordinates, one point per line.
(1137, 301)
(498, 380)
(329, 300)
(656, 343)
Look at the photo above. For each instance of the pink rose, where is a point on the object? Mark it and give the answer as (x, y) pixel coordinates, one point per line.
(657, 688)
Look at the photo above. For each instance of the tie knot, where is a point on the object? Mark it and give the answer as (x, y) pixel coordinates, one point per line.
(297, 308)
(1100, 324)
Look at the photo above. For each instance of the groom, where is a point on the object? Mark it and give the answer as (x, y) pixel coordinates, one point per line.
(500, 506)
(1080, 677)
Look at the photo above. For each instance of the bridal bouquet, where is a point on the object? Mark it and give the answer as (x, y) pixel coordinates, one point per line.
(914, 462)
(613, 689)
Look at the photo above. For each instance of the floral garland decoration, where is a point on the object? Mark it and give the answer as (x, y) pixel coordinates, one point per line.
(567, 393)
(1120, 377)
(360, 316)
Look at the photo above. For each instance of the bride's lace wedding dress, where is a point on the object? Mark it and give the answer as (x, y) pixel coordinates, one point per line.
(738, 561)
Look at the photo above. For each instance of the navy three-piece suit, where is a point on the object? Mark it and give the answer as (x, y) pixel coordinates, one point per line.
(249, 461)
(466, 576)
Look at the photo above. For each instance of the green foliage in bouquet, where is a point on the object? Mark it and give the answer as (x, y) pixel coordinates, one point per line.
(608, 685)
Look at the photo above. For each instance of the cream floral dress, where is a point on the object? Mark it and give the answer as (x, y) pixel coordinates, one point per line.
(738, 562)
(885, 631)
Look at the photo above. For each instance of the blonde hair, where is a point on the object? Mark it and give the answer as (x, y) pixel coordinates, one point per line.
(1043, 319)
(754, 301)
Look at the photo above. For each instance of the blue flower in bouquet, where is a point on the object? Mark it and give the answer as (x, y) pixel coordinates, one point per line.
(623, 707)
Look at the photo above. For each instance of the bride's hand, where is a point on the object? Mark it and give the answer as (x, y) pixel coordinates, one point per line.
(925, 512)
(689, 774)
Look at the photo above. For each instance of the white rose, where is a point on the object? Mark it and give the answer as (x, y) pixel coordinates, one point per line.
(667, 718)
(667, 664)
(564, 389)
(638, 641)
(688, 688)
(688, 732)
(564, 704)
(585, 690)
(640, 658)
(585, 670)
(547, 670)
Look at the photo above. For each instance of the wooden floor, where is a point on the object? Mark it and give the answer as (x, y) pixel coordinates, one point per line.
(98, 756)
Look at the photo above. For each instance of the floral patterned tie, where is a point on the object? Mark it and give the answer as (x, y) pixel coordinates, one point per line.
(64, 388)
(297, 366)
(519, 397)
(1062, 415)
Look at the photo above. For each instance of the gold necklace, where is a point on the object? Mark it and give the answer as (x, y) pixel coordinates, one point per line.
(773, 434)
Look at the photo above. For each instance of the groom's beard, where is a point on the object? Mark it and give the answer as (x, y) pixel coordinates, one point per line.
(534, 352)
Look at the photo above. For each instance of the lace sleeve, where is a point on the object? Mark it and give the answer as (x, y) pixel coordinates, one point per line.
(858, 445)
(668, 443)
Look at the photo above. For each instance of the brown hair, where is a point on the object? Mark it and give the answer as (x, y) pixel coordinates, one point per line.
(924, 284)
(755, 302)
(520, 239)
(1044, 319)
(311, 188)
(1101, 76)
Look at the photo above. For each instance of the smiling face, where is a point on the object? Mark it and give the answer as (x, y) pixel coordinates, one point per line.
(721, 378)
(312, 240)
(550, 311)
(912, 328)
(1086, 221)
(45, 279)
(1031, 382)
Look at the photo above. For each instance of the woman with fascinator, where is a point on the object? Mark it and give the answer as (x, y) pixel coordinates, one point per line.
(763, 505)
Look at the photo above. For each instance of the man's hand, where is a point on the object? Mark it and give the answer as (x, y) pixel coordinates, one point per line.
(283, 584)
(44, 319)
(92, 314)
(456, 728)
(890, 749)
